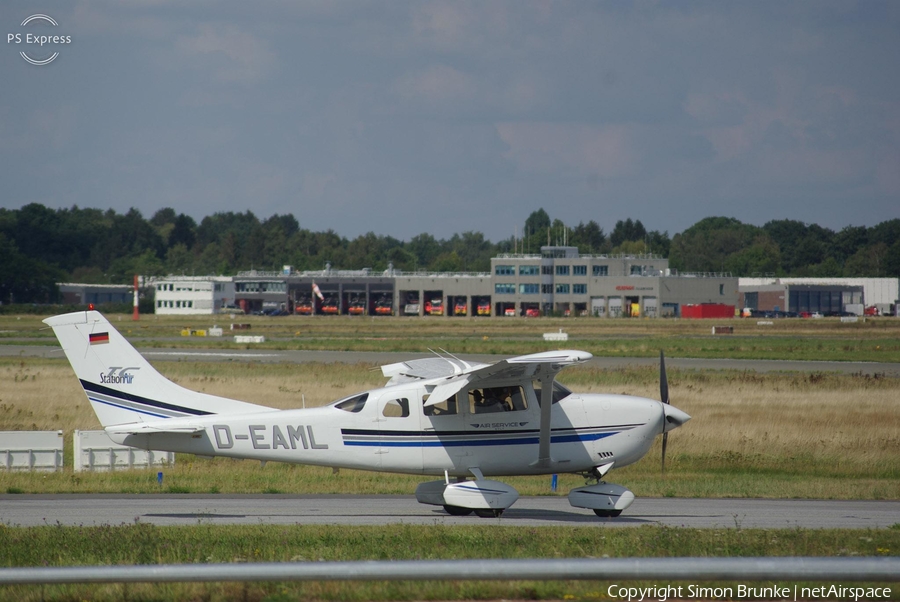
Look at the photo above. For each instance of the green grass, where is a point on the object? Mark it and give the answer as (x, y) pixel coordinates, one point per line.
(685, 477)
(204, 543)
(872, 339)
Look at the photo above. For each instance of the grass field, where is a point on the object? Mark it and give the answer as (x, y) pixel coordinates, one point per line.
(872, 339)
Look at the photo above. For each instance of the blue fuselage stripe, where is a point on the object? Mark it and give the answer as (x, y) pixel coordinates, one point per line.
(90, 387)
(481, 442)
(121, 407)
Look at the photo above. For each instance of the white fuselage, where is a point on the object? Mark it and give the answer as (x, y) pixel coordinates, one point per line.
(392, 430)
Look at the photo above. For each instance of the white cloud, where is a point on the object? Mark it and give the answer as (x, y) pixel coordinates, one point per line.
(437, 85)
(565, 149)
(233, 55)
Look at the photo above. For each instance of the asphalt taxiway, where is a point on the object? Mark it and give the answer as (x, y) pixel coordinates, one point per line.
(381, 357)
(283, 509)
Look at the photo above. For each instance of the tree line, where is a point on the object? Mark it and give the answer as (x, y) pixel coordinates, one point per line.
(40, 247)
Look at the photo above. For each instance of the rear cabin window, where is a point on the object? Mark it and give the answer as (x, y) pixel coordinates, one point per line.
(352, 404)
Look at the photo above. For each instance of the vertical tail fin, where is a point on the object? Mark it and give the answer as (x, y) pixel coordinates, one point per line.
(121, 385)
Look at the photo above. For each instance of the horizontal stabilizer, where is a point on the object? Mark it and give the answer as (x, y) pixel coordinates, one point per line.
(152, 428)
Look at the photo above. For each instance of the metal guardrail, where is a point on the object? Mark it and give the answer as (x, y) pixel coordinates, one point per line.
(812, 569)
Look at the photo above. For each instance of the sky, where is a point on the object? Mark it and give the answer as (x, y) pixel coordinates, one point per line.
(402, 118)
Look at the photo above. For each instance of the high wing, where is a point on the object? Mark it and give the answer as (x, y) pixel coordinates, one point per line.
(452, 375)
(426, 369)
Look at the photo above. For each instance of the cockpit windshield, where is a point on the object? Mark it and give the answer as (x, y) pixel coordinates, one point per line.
(352, 404)
(559, 391)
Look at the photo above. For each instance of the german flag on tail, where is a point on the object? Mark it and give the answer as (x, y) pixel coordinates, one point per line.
(99, 338)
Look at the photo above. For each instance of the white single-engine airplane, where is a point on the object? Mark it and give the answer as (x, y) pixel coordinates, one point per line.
(439, 416)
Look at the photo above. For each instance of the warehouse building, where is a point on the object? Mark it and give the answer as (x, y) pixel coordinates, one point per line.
(193, 295)
(98, 294)
(820, 295)
(803, 299)
(558, 281)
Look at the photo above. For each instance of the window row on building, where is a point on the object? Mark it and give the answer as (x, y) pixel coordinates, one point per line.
(260, 287)
(566, 270)
(532, 288)
(176, 304)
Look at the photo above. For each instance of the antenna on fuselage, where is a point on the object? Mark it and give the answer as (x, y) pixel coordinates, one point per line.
(462, 362)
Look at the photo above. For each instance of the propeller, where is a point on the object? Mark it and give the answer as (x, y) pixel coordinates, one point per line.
(663, 397)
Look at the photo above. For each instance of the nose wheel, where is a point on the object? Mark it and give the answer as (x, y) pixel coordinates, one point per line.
(489, 512)
(607, 513)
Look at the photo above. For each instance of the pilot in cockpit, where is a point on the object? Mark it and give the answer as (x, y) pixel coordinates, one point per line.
(494, 399)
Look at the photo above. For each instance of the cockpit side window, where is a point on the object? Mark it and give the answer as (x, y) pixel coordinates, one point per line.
(352, 404)
(497, 399)
(396, 408)
(444, 408)
(559, 391)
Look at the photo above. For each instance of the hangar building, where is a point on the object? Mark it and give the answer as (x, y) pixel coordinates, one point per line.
(823, 295)
(558, 281)
(82, 294)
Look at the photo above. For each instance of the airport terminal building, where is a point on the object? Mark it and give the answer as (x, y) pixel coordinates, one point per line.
(562, 281)
(558, 281)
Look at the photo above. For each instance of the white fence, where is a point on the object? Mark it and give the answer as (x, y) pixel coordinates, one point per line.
(94, 450)
(31, 450)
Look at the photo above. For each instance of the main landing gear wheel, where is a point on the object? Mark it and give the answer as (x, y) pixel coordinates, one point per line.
(607, 513)
(489, 512)
(457, 510)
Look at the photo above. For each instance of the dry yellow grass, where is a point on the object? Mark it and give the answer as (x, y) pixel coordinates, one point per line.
(813, 435)
(40, 394)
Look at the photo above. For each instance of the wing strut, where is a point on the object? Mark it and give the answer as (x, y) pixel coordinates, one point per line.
(546, 406)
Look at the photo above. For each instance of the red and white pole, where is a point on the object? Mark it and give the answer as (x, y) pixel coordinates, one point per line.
(135, 316)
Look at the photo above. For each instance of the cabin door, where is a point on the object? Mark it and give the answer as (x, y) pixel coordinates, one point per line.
(397, 417)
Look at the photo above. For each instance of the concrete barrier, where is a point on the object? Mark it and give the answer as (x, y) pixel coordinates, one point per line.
(556, 336)
(238, 338)
(95, 451)
(31, 450)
